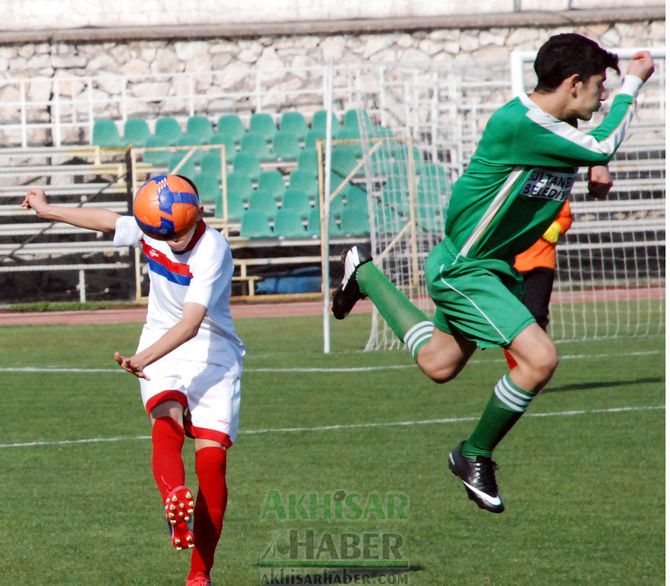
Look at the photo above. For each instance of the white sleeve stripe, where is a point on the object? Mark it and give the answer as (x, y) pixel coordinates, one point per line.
(586, 141)
(631, 85)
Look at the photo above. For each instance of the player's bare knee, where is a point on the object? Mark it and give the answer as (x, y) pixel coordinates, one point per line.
(437, 372)
(545, 362)
(439, 366)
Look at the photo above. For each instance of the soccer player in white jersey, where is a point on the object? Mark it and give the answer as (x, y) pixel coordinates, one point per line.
(189, 364)
(513, 188)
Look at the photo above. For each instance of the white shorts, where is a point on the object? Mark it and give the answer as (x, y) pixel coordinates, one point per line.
(211, 393)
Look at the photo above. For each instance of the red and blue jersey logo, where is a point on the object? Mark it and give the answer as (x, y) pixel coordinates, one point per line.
(159, 263)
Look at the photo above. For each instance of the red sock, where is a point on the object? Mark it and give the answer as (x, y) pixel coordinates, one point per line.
(210, 466)
(510, 359)
(167, 437)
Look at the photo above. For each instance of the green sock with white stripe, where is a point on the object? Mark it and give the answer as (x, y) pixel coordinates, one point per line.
(408, 322)
(506, 405)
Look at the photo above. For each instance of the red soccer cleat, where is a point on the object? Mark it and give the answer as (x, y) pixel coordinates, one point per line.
(199, 579)
(179, 506)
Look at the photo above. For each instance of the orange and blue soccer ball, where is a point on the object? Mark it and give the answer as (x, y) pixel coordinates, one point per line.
(166, 207)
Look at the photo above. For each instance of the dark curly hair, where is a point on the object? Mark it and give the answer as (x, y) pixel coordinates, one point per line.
(568, 54)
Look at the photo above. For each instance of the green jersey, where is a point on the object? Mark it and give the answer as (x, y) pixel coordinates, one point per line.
(523, 169)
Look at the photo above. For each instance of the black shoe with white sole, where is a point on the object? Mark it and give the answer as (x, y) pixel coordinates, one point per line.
(348, 293)
(478, 478)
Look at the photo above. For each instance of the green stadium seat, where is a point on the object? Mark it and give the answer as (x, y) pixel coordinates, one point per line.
(256, 144)
(199, 126)
(355, 223)
(235, 208)
(308, 162)
(296, 200)
(211, 164)
(263, 201)
(339, 202)
(247, 164)
(239, 186)
(187, 168)
(400, 155)
(335, 226)
(208, 186)
(387, 221)
(106, 134)
(357, 198)
(157, 158)
(169, 128)
(337, 205)
(190, 140)
(353, 118)
(319, 122)
(434, 176)
(255, 225)
(381, 161)
(272, 181)
(294, 122)
(352, 135)
(264, 124)
(228, 142)
(343, 161)
(305, 182)
(396, 196)
(313, 136)
(285, 146)
(288, 224)
(231, 126)
(136, 132)
(314, 223)
(429, 221)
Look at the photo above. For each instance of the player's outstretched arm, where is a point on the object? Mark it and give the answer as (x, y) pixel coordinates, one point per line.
(99, 219)
(181, 332)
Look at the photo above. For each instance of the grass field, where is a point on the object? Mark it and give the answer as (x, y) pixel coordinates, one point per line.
(582, 473)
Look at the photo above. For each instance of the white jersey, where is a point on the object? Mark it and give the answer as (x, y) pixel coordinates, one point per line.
(202, 274)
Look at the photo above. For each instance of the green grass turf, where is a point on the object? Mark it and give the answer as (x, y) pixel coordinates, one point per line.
(584, 490)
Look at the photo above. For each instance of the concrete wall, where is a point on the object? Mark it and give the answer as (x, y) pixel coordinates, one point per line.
(45, 15)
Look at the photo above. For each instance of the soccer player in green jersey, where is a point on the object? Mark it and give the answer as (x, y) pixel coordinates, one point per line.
(522, 171)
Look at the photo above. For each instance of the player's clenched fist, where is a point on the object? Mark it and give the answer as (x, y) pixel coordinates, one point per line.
(641, 65)
(35, 199)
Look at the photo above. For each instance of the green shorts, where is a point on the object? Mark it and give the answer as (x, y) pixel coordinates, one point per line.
(480, 299)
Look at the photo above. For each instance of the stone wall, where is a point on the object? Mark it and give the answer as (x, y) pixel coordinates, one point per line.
(234, 57)
(432, 46)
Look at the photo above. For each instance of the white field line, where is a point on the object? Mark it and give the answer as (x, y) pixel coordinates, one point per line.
(344, 426)
(58, 369)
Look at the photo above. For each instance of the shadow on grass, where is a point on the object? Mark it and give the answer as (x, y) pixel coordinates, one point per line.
(603, 385)
(349, 575)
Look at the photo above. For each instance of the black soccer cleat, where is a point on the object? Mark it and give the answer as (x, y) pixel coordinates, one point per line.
(478, 478)
(348, 293)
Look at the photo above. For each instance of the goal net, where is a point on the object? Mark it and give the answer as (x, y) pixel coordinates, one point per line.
(417, 132)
